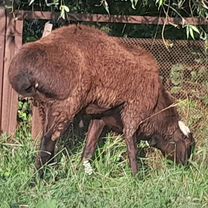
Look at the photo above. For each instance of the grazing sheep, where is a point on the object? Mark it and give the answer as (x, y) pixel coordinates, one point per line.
(76, 67)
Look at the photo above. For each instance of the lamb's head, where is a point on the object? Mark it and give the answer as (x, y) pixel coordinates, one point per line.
(175, 141)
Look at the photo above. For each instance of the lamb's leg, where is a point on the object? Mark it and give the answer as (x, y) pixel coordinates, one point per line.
(94, 131)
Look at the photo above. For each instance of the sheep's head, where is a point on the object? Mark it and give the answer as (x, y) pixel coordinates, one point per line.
(178, 146)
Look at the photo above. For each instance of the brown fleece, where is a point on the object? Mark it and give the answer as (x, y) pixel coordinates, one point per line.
(75, 66)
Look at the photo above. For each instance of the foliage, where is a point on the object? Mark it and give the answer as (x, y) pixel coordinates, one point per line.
(24, 111)
(164, 8)
(158, 184)
(191, 82)
(190, 29)
(176, 74)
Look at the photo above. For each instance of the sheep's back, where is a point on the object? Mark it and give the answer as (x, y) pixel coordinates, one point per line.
(68, 57)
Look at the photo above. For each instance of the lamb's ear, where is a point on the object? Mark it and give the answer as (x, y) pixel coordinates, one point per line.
(186, 131)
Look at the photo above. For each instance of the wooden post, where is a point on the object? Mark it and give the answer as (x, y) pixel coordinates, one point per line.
(14, 96)
(36, 120)
(13, 41)
(2, 51)
(7, 90)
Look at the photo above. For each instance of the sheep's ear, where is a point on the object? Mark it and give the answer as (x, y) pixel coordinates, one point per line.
(36, 85)
(186, 131)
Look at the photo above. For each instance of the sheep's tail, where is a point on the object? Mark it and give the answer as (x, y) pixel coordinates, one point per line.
(23, 84)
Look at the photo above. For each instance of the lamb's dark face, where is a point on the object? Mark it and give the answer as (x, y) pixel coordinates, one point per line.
(178, 147)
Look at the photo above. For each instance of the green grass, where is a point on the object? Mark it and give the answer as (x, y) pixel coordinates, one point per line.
(159, 183)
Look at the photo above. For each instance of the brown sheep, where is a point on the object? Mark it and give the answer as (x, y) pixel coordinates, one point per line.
(75, 67)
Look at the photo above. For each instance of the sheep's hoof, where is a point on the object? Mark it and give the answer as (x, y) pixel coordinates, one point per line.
(87, 167)
(41, 162)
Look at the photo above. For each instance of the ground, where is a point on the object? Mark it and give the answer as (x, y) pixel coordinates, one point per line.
(159, 183)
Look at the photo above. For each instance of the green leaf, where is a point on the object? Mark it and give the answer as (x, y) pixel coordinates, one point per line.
(105, 4)
(204, 4)
(160, 2)
(190, 29)
(20, 104)
(194, 28)
(134, 3)
(31, 2)
(54, 2)
(187, 32)
(65, 8)
(47, 203)
(191, 33)
(203, 36)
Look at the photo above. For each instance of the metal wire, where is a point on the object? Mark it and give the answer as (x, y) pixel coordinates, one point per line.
(183, 66)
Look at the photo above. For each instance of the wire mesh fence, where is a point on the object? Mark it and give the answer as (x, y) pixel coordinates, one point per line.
(183, 66)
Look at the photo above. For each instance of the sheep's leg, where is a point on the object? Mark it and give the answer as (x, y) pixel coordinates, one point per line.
(130, 126)
(95, 109)
(132, 151)
(47, 148)
(58, 116)
(114, 121)
(94, 131)
(55, 123)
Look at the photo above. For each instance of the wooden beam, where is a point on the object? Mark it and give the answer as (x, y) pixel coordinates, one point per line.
(2, 51)
(149, 20)
(2, 32)
(7, 90)
(18, 33)
(14, 29)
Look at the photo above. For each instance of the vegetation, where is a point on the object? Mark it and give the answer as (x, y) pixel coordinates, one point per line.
(171, 8)
(160, 183)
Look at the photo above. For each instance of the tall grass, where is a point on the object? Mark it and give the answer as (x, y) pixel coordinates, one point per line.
(159, 183)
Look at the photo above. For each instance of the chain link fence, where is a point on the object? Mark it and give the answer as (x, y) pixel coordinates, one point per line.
(183, 66)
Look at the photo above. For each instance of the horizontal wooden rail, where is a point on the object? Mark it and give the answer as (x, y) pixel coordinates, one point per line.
(112, 18)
